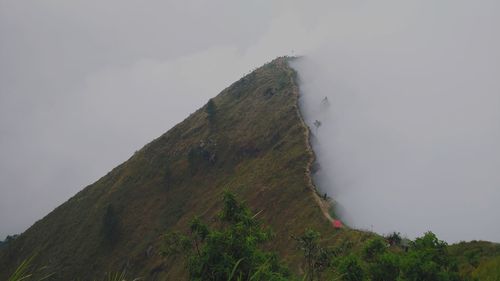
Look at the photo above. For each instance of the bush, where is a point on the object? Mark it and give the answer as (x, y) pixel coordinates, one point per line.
(394, 239)
(386, 268)
(428, 259)
(210, 109)
(374, 248)
(230, 252)
(350, 269)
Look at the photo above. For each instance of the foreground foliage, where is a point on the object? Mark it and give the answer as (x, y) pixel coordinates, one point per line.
(235, 250)
(25, 271)
(231, 252)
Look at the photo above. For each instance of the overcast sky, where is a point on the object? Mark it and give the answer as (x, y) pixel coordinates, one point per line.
(84, 84)
(411, 139)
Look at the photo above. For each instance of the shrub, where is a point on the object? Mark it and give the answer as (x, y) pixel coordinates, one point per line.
(230, 252)
(350, 269)
(373, 248)
(428, 259)
(210, 109)
(386, 268)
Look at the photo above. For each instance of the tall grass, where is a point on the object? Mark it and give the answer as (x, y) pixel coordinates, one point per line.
(118, 277)
(22, 272)
(25, 272)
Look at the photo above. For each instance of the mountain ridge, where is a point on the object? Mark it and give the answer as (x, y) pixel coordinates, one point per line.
(250, 139)
(258, 144)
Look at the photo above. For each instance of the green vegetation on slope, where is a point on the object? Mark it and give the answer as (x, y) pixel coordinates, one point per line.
(478, 260)
(249, 139)
(232, 250)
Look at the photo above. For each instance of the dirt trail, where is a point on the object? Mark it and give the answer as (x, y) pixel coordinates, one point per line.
(324, 205)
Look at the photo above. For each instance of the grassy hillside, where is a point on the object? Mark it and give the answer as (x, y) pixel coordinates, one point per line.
(254, 143)
(249, 139)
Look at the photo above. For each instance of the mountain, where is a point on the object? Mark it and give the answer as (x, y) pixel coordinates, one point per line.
(249, 139)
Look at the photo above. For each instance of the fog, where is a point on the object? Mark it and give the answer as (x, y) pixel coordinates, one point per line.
(410, 141)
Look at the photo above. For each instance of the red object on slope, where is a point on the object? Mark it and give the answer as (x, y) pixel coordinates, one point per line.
(337, 224)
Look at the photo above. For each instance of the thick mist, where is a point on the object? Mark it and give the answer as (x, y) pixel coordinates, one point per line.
(409, 140)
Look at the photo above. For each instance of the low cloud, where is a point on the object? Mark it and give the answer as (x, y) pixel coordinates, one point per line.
(411, 139)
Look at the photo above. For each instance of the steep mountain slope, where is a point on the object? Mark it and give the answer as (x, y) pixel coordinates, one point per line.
(252, 142)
